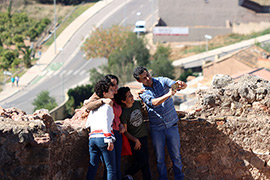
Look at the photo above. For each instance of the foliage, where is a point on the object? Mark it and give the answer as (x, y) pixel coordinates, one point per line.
(27, 53)
(76, 13)
(161, 65)
(123, 60)
(183, 76)
(7, 58)
(65, 2)
(265, 46)
(95, 75)
(76, 97)
(14, 29)
(102, 42)
(19, 24)
(44, 101)
(123, 49)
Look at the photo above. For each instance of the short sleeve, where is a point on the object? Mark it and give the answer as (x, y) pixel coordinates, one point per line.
(167, 81)
(124, 117)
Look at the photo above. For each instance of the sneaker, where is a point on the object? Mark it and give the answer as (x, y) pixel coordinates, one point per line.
(127, 177)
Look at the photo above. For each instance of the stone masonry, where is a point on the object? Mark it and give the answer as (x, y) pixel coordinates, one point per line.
(226, 136)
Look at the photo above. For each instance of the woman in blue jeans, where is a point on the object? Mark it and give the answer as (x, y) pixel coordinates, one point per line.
(93, 103)
(101, 137)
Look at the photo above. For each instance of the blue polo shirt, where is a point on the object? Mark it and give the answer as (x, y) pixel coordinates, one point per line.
(164, 115)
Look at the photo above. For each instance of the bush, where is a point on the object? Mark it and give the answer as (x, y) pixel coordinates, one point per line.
(44, 101)
(183, 76)
(76, 97)
(161, 65)
(65, 2)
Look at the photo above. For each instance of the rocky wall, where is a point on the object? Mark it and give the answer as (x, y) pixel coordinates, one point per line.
(225, 137)
(36, 147)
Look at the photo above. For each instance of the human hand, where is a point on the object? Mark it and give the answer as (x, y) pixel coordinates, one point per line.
(110, 146)
(107, 101)
(122, 128)
(137, 144)
(172, 92)
(181, 84)
(138, 92)
(85, 102)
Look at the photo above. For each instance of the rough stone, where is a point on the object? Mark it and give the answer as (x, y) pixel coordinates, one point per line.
(227, 136)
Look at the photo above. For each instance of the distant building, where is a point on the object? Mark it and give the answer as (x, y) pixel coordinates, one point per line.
(211, 17)
(240, 62)
(263, 73)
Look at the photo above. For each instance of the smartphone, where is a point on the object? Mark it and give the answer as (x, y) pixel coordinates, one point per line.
(175, 86)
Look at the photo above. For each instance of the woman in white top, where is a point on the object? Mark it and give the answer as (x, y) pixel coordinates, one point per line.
(101, 137)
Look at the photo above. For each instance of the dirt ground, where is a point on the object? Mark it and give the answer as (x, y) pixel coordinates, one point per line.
(35, 10)
(262, 2)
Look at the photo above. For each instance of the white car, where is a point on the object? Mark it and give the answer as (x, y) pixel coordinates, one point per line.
(140, 27)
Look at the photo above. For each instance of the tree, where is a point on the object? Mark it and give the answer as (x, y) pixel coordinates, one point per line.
(9, 9)
(133, 53)
(161, 65)
(185, 74)
(95, 76)
(44, 101)
(124, 51)
(27, 53)
(102, 42)
(76, 96)
(7, 58)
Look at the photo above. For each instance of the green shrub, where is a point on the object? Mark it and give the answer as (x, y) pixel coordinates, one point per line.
(44, 101)
(76, 96)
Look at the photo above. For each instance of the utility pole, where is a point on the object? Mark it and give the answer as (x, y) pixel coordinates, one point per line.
(54, 4)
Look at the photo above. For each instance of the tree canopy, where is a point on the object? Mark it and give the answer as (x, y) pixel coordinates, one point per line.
(161, 65)
(102, 42)
(14, 30)
(76, 96)
(124, 51)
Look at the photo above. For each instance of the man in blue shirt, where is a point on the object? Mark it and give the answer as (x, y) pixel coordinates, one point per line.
(163, 119)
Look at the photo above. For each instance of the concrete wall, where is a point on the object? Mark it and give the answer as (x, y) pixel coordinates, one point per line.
(216, 17)
(198, 13)
(59, 113)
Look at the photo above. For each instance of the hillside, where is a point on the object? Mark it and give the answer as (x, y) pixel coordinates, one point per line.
(36, 10)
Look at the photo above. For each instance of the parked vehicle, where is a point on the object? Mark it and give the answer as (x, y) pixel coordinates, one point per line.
(140, 27)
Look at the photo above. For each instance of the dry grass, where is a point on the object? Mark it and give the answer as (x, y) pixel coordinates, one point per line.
(35, 10)
(181, 50)
(262, 2)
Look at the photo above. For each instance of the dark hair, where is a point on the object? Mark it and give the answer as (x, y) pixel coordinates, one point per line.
(102, 86)
(138, 71)
(121, 95)
(110, 77)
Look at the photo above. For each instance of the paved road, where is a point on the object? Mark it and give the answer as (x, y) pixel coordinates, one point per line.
(70, 68)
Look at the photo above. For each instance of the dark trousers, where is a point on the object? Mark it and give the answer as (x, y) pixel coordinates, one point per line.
(140, 159)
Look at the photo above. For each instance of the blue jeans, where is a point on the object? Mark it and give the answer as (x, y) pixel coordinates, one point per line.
(117, 151)
(97, 147)
(171, 138)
